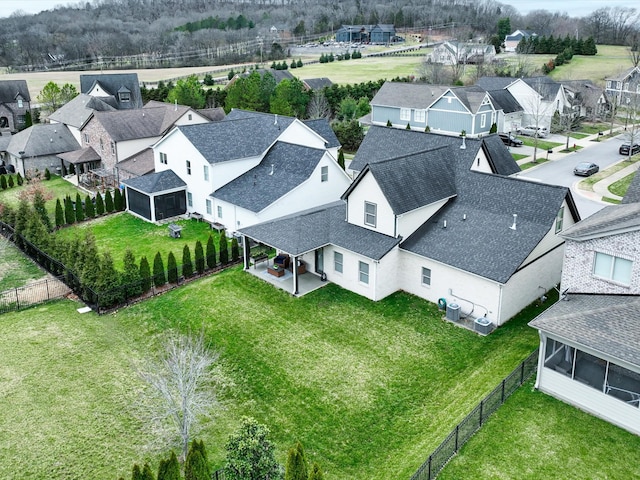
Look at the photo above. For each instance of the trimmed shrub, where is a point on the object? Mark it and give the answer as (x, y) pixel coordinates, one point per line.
(89, 210)
(316, 472)
(341, 159)
(210, 252)
(147, 474)
(199, 257)
(69, 212)
(296, 468)
(131, 275)
(145, 274)
(47, 174)
(235, 249)
(224, 249)
(59, 214)
(172, 268)
(169, 469)
(159, 277)
(3, 182)
(19, 179)
(118, 201)
(187, 266)
(79, 209)
(108, 202)
(10, 182)
(99, 204)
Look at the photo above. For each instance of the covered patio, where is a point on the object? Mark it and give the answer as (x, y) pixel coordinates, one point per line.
(306, 282)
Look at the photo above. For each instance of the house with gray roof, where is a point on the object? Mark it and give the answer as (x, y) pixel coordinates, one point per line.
(442, 219)
(452, 53)
(251, 167)
(590, 339)
(512, 40)
(121, 90)
(15, 102)
(624, 87)
(587, 99)
(38, 147)
(78, 111)
(156, 196)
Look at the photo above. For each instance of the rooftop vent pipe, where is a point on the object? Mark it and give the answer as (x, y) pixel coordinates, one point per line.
(515, 218)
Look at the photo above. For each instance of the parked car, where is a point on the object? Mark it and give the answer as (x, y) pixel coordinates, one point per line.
(533, 131)
(586, 169)
(624, 149)
(510, 140)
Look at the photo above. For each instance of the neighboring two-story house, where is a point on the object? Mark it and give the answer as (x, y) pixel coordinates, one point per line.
(247, 168)
(624, 89)
(15, 102)
(120, 90)
(436, 216)
(590, 339)
(512, 40)
(452, 53)
(78, 111)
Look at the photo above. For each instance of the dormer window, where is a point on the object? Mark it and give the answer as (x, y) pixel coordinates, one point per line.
(125, 96)
(20, 104)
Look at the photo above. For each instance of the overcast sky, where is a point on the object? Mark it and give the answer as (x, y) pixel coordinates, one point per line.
(575, 8)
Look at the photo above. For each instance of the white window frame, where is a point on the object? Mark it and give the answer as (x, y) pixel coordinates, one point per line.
(426, 277)
(219, 211)
(208, 204)
(324, 173)
(420, 115)
(338, 262)
(560, 220)
(363, 272)
(206, 173)
(190, 199)
(405, 114)
(188, 164)
(163, 158)
(20, 104)
(601, 258)
(124, 97)
(370, 218)
(483, 120)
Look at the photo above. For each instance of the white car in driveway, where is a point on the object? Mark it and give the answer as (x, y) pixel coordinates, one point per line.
(533, 131)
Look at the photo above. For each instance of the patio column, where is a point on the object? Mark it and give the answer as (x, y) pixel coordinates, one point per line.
(245, 251)
(295, 275)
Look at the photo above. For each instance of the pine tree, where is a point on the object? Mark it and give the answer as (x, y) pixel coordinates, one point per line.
(316, 472)
(47, 174)
(159, 277)
(79, 208)
(195, 467)
(170, 469)
(296, 468)
(19, 179)
(131, 280)
(199, 257)
(341, 159)
(145, 274)
(41, 209)
(108, 285)
(3, 182)
(136, 473)
(10, 182)
(223, 249)
(59, 214)
(187, 266)
(99, 204)
(389, 124)
(147, 474)
(118, 202)
(172, 268)
(69, 212)
(235, 249)
(210, 252)
(108, 202)
(89, 210)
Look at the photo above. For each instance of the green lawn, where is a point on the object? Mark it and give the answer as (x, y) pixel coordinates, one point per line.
(587, 183)
(121, 231)
(16, 270)
(369, 388)
(55, 188)
(535, 436)
(621, 186)
(543, 145)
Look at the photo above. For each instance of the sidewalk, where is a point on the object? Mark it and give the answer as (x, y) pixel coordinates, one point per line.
(601, 188)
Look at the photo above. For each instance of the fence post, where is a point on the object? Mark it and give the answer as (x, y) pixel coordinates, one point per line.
(46, 282)
(522, 373)
(502, 395)
(17, 300)
(429, 476)
(481, 405)
(457, 429)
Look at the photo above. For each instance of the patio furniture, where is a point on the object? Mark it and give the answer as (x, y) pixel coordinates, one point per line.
(276, 271)
(218, 227)
(282, 261)
(195, 216)
(174, 230)
(263, 257)
(302, 267)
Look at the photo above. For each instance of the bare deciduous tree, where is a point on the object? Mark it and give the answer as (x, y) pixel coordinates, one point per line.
(184, 382)
(318, 106)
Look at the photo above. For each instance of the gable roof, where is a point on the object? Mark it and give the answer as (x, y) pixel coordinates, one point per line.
(156, 182)
(321, 127)
(283, 168)
(545, 86)
(172, 113)
(407, 95)
(112, 83)
(241, 134)
(633, 192)
(10, 89)
(317, 83)
(471, 97)
(611, 220)
(148, 122)
(624, 75)
(83, 155)
(503, 100)
(80, 109)
(496, 83)
(42, 139)
(214, 114)
(605, 323)
(140, 163)
(311, 229)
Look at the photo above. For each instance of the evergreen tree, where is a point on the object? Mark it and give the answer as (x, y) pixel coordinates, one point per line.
(41, 209)
(170, 469)
(108, 202)
(341, 159)
(145, 274)
(19, 179)
(10, 182)
(59, 214)
(118, 200)
(408, 127)
(79, 208)
(24, 211)
(89, 209)
(108, 283)
(199, 257)
(223, 249)
(316, 472)
(69, 212)
(187, 266)
(172, 268)
(99, 204)
(131, 275)
(47, 174)
(210, 252)
(136, 474)
(3, 182)
(296, 468)
(195, 467)
(147, 474)
(159, 277)
(250, 453)
(235, 250)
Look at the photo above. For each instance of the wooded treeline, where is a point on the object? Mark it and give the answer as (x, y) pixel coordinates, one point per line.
(89, 31)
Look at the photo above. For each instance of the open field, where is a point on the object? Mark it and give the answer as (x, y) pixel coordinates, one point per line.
(16, 270)
(535, 436)
(368, 388)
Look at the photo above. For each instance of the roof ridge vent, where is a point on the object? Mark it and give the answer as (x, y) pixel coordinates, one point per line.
(515, 218)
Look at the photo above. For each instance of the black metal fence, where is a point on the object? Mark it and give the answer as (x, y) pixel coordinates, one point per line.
(472, 423)
(33, 294)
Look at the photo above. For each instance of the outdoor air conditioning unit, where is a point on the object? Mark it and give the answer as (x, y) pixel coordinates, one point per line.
(453, 312)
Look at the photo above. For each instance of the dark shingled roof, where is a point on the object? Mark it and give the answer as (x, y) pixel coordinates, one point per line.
(43, 139)
(156, 182)
(605, 323)
(306, 231)
(495, 83)
(317, 83)
(112, 83)
(546, 87)
(611, 220)
(321, 127)
(471, 96)
(140, 163)
(214, 114)
(284, 167)
(240, 135)
(409, 95)
(79, 110)
(503, 100)
(148, 122)
(633, 192)
(9, 90)
(84, 155)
